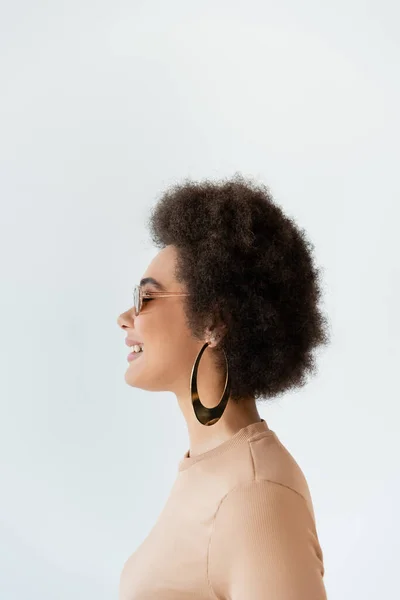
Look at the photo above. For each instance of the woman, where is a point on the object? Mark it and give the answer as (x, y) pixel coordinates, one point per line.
(235, 277)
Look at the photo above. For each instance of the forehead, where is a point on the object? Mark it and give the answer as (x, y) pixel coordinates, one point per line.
(162, 266)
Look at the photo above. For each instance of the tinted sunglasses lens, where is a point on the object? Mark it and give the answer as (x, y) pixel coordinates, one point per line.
(136, 299)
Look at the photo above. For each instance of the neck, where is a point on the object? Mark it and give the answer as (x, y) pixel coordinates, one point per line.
(235, 416)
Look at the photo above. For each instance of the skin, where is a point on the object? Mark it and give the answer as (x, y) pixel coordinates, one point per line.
(170, 351)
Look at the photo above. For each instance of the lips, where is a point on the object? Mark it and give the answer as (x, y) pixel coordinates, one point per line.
(131, 343)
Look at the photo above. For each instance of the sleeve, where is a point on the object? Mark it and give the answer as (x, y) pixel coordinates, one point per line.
(264, 546)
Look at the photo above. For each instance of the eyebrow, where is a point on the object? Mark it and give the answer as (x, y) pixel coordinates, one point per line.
(156, 283)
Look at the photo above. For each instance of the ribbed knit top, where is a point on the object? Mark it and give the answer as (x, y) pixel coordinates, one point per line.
(238, 524)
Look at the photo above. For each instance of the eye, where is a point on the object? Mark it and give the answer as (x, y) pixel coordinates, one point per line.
(146, 298)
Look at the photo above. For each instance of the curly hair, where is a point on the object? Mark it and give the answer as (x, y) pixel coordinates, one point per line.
(248, 265)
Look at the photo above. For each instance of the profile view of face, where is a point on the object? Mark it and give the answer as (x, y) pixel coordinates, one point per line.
(169, 349)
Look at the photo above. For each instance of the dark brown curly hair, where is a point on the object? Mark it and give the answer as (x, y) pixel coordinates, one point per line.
(247, 265)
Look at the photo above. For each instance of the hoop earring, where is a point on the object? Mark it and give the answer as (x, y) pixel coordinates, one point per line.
(208, 416)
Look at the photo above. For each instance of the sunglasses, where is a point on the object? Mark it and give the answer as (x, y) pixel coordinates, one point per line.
(139, 296)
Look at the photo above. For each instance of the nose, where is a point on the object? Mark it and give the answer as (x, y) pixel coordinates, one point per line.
(126, 319)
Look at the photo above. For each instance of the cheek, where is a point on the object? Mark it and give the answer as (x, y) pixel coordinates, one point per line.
(169, 344)
(139, 328)
(165, 332)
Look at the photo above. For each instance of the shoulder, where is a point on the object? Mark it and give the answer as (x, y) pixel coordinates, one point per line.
(272, 462)
(261, 500)
(264, 535)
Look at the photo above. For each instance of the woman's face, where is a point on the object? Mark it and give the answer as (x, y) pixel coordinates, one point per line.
(169, 349)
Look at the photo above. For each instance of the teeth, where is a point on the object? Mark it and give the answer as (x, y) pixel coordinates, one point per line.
(137, 348)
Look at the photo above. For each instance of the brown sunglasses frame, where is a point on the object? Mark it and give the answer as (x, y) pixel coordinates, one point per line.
(152, 295)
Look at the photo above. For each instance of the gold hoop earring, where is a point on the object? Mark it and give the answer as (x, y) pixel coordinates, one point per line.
(208, 416)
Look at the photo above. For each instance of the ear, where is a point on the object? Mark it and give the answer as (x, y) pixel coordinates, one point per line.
(216, 328)
(214, 335)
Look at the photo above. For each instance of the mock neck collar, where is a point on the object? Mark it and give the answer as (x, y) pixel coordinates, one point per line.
(239, 437)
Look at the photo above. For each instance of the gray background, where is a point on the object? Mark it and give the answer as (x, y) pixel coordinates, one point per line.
(102, 106)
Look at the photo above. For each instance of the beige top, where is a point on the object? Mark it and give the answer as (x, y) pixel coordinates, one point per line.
(238, 524)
